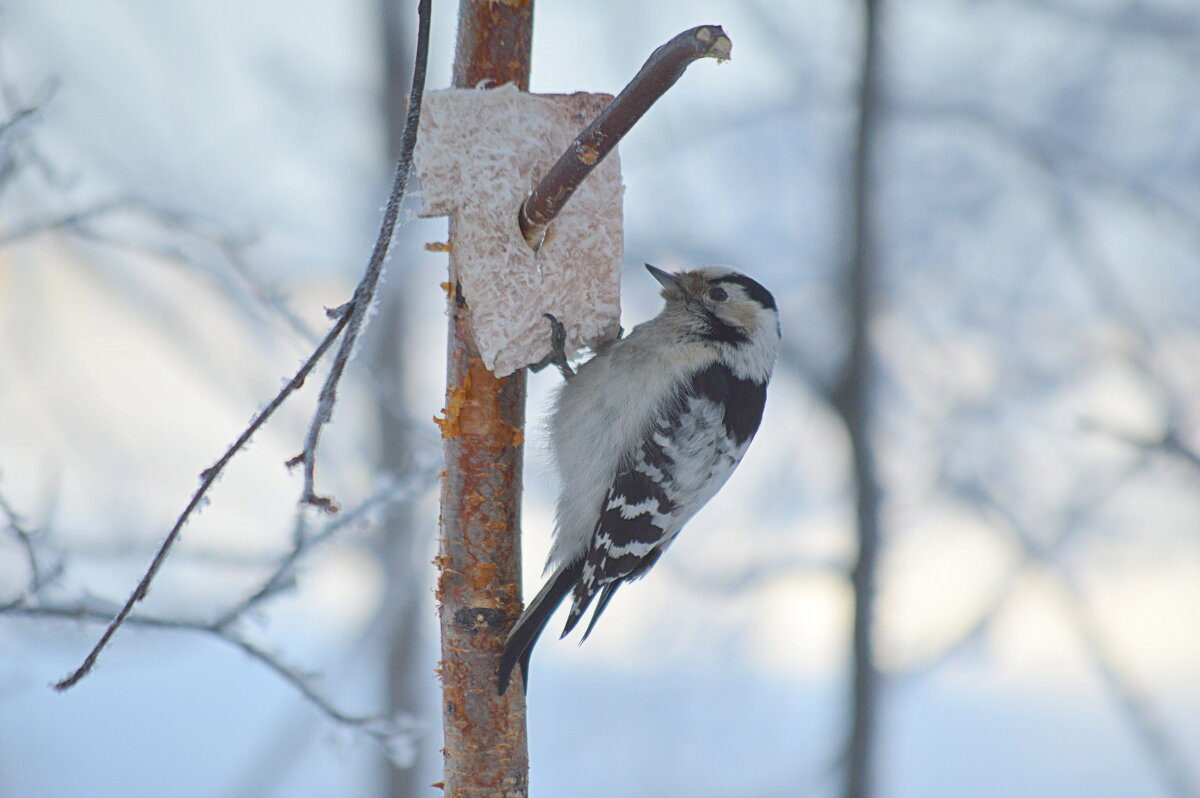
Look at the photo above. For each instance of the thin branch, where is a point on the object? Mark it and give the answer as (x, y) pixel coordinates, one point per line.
(17, 528)
(64, 221)
(1099, 272)
(79, 223)
(1057, 156)
(1170, 442)
(1131, 700)
(1054, 157)
(10, 126)
(382, 728)
(208, 478)
(229, 246)
(738, 581)
(660, 72)
(1173, 443)
(1137, 21)
(282, 576)
(350, 319)
(976, 492)
(10, 131)
(39, 574)
(298, 682)
(364, 294)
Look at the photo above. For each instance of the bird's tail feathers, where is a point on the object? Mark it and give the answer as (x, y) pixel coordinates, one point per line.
(585, 593)
(519, 646)
(605, 597)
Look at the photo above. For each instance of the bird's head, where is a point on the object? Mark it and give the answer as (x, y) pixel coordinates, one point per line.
(715, 303)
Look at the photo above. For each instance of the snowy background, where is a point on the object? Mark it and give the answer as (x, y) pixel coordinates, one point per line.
(202, 177)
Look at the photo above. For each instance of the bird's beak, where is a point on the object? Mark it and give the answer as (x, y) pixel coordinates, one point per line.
(668, 280)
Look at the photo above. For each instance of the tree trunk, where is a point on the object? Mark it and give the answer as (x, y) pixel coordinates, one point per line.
(479, 584)
(853, 401)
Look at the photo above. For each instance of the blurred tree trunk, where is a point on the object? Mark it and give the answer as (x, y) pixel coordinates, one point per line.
(853, 396)
(400, 619)
(400, 542)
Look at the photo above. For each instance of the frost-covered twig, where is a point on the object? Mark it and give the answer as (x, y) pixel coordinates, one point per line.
(10, 133)
(359, 307)
(282, 576)
(83, 223)
(660, 72)
(394, 734)
(349, 323)
(18, 528)
(376, 726)
(208, 478)
(63, 221)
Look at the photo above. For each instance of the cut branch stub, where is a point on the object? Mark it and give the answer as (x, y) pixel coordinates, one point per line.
(660, 72)
(478, 153)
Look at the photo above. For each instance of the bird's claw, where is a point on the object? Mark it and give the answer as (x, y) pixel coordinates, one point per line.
(558, 350)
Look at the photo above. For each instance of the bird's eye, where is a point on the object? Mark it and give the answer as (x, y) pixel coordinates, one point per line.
(718, 294)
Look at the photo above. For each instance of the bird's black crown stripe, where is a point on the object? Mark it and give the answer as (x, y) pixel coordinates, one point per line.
(753, 288)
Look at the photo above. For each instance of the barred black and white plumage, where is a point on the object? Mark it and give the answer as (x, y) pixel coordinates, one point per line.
(645, 434)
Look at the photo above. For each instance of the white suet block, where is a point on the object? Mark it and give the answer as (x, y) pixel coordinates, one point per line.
(479, 154)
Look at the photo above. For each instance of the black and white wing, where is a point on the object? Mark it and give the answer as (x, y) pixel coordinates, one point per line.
(686, 456)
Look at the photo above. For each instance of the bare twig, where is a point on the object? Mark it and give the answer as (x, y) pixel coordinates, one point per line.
(12, 126)
(384, 729)
(364, 294)
(754, 575)
(282, 576)
(10, 132)
(1137, 22)
(660, 72)
(82, 612)
(208, 478)
(1052, 157)
(1131, 699)
(1170, 442)
(39, 574)
(82, 222)
(64, 221)
(1057, 156)
(1035, 552)
(349, 319)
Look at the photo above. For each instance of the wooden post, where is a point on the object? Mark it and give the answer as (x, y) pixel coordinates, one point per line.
(479, 583)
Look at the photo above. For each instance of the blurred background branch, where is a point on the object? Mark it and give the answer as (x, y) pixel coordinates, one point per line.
(854, 399)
